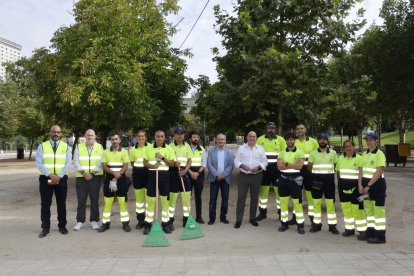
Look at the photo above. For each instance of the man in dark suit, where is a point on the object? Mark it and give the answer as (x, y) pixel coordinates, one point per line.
(220, 166)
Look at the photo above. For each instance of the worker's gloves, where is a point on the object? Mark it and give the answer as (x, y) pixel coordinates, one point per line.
(363, 197)
(112, 186)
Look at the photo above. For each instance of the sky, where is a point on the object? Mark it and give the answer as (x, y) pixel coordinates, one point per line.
(32, 23)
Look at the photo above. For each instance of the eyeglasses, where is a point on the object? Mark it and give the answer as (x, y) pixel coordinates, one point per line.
(53, 131)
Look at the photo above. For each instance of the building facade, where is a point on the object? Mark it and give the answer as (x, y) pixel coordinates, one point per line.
(9, 52)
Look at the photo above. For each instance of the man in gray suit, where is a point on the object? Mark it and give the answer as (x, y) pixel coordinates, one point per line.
(220, 166)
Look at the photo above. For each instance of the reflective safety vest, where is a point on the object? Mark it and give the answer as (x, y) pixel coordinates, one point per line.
(348, 167)
(89, 160)
(53, 161)
(182, 153)
(307, 146)
(115, 159)
(197, 157)
(137, 154)
(165, 150)
(323, 162)
(291, 157)
(371, 161)
(272, 147)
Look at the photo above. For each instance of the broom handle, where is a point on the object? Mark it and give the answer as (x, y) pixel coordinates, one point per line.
(185, 194)
(156, 194)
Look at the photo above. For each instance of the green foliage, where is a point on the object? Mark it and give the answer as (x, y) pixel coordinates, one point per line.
(113, 69)
(275, 56)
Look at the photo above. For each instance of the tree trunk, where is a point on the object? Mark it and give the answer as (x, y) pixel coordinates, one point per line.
(379, 129)
(31, 149)
(75, 143)
(280, 119)
(342, 135)
(401, 134)
(360, 147)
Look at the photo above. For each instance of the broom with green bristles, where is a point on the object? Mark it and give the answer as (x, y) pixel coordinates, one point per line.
(191, 230)
(156, 237)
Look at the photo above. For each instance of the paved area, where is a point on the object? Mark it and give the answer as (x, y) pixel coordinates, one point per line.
(223, 251)
(305, 263)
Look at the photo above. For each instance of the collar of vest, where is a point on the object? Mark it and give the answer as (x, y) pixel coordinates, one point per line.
(175, 143)
(294, 149)
(137, 146)
(374, 151)
(112, 149)
(306, 138)
(327, 150)
(155, 145)
(51, 142)
(353, 155)
(268, 136)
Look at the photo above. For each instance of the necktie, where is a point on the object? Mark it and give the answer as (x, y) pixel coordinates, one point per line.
(54, 146)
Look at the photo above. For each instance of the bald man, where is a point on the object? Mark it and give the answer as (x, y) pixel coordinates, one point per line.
(53, 159)
(252, 161)
(87, 158)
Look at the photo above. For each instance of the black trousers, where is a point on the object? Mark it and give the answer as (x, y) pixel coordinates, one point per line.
(139, 177)
(328, 187)
(163, 183)
(46, 194)
(198, 186)
(83, 190)
(270, 175)
(175, 181)
(122, 185)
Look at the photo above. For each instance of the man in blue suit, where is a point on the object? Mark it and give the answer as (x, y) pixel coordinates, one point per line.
(220, 166)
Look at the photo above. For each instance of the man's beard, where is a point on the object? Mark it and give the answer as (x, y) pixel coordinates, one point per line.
(271, 134)
(194, 143)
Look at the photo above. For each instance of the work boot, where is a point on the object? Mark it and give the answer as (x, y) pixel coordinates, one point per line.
(362, 236)
(147, 228)
(104, 227)
(283, 228)
(184, 221)
(301, 230)
(125, 226)
(348, 233)
(140, 218)
(315, 228)
(292, 221)
(311, 218)
(333, 230)
(262, 214)
(375, 240)
(171, 224)
(166, 227)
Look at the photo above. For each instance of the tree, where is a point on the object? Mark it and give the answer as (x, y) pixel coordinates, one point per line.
(386, 55)
(113, 68)
(275, 53)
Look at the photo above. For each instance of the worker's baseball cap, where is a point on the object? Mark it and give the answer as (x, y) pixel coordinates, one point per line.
(323, 136)
(271, 125)
(179, 130)
(371, 135)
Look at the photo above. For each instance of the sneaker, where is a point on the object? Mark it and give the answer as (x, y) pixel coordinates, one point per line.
(94, 225)
(78, 226)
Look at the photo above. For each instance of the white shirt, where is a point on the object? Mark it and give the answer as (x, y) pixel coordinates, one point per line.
(220, 160)
(251, 157)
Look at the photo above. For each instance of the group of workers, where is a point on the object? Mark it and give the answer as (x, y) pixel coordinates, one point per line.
(296, 166)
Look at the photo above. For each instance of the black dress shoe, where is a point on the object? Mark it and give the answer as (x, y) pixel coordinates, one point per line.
(43, 233)
(200, 220)
(225, 221)
(210, 222)
(63, 230)
(237, 225)
(254, 223)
